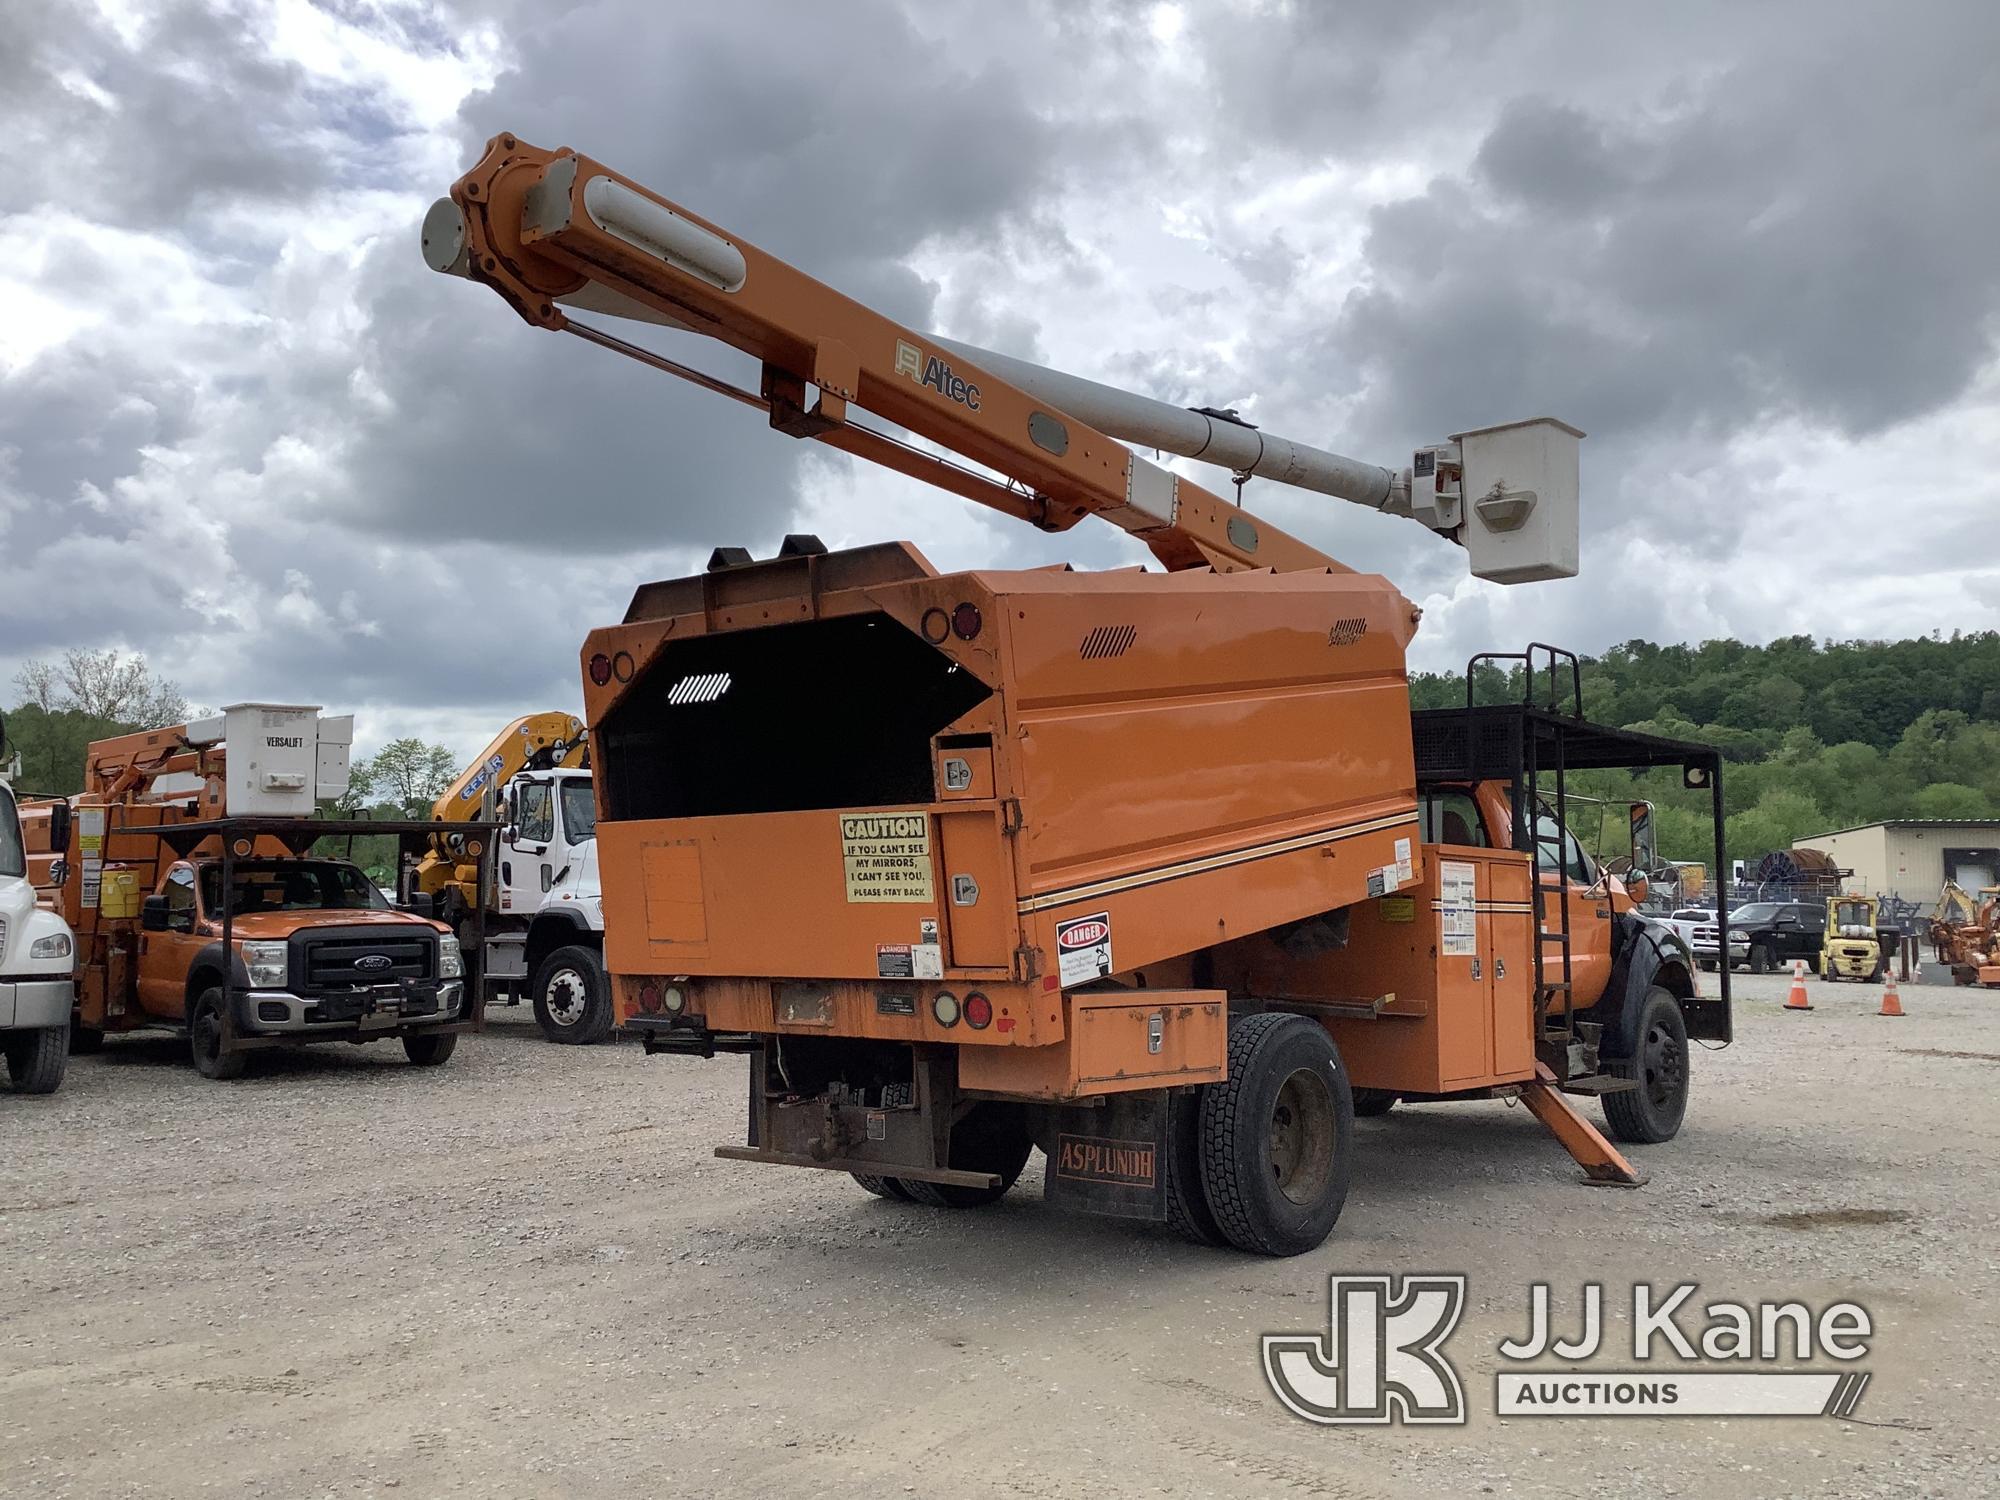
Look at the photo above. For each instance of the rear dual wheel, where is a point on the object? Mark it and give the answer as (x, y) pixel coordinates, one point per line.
(991, 1138)
(1272, 1147)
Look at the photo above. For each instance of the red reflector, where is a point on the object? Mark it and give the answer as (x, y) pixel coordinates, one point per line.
(965, 621)
(978, 1011)
(600, 669)
(1049, 982)
(649, 996)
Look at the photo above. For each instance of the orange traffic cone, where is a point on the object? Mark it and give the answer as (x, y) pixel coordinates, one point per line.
(1797, 1000)
(1892, 1003)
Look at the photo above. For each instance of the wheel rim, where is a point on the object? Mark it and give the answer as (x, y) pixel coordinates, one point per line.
(1302, 1136)
(567, 997)
(1664, 1068)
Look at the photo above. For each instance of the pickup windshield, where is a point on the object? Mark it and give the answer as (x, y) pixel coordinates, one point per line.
(290, 885)
(1754, 914)
(13, 855)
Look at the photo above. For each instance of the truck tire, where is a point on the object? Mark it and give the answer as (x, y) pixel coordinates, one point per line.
(1368, 1103)
(992, 1138)
(205, 1039)
(1277, 1138)
(892, 1188)
(573, 997)
(1760, 958)
(36, 1058)
(85, 1041)
(1188, 1213)
(1652, 1112)
(430, 1049)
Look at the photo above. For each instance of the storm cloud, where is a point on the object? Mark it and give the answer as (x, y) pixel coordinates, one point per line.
(1748, 249)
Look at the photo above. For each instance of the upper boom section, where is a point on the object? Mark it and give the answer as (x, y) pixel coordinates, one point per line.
(533, 742)
(552, 229)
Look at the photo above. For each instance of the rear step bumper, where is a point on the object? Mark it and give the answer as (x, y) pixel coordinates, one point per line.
(864, 1168)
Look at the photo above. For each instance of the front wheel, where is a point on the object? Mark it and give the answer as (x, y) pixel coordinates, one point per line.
(573, 997)
(1277, 1136)
(430, 1049)
(36, 1058)
(205, 1040)
(1760, 959)
(1652, 1112)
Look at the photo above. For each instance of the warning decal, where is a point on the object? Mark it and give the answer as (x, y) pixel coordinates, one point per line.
(1458, 911)
(887, 856)
(1083, 949)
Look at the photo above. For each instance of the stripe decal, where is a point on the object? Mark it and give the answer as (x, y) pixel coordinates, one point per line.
(1214, 862)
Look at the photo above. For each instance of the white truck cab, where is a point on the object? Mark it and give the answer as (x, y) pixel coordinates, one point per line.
(545, 938)
(37, 968)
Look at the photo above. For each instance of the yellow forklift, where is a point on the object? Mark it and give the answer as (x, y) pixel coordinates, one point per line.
(1850, 948)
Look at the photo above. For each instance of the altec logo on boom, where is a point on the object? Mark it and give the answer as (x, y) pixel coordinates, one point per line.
(931, 371)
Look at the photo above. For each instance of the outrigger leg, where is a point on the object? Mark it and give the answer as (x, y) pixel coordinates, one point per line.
(1603, 1164)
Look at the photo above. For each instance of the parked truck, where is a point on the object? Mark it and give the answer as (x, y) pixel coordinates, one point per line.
(544, 928)
(191, 867)
(1153, 871)
(37, 955)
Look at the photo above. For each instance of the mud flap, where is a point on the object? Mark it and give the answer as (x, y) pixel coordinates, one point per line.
(1111, 1159)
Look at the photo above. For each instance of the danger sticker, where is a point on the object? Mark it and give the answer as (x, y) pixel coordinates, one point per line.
(1083, 949)
(887, 856)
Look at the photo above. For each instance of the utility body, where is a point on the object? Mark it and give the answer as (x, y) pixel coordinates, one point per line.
(188, 869)
(1132, 866)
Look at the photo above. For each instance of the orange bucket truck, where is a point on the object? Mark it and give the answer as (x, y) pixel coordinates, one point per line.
(1151, 870)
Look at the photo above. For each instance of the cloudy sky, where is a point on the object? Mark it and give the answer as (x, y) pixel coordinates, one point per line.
(1754, 251)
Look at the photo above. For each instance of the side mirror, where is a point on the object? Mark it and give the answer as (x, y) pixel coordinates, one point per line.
(153, 914)
(421, 904)
(58, 872)
(58, 829)
(1645, 850)
(1637, 887)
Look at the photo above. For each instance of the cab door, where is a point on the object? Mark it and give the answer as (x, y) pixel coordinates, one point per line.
(165, 957)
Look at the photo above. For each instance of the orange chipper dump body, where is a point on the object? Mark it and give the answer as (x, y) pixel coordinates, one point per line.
(1116, 865)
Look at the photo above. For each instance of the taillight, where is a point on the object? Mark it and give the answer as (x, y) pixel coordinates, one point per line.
(600, 669)
(649, 995)
(978, 1011)
(965, 621)
(944, 1006)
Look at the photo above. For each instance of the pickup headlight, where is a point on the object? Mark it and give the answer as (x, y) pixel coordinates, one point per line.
(55, 945)
(265, 963)
(451, 962)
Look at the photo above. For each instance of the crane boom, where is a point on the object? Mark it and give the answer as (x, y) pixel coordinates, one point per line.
(546, 227)
(554, 231)
(537, 742)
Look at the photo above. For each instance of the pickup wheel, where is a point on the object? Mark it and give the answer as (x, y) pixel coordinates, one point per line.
(992, 1138)
(205, 1039)
(1652, 1112)
(1277, 1137)
(572, 996)
(1760, 958)
(430, 1049)
(36, 1058)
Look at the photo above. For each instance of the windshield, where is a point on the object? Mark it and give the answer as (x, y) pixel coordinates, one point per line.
(1756, 911)
(290, 885)
(13, 857)
(1853, 914)
(579, 811)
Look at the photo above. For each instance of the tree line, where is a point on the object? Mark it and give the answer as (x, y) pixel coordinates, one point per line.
(1815, 736)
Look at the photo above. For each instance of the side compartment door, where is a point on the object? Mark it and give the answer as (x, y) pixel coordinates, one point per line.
(164, 957)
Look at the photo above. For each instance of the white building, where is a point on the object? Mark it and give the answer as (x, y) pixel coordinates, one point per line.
(1914, 857)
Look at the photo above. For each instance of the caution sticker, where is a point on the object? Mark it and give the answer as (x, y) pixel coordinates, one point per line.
(887, 856)
(1458, 910)
(1397, 908)
(1083, 949)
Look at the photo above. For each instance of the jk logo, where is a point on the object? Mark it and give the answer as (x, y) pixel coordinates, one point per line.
(1379, 1360)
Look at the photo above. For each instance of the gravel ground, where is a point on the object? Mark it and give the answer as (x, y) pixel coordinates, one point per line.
(524, 1275)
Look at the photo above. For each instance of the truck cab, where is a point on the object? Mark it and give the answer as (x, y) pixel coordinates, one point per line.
(37, 958)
